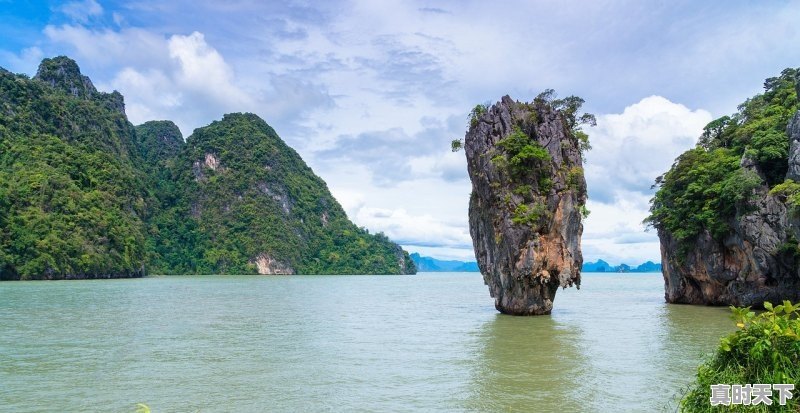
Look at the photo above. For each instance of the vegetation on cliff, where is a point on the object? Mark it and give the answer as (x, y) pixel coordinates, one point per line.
(708, 186)
(247, 194)
(522, 160)
(85, 194)
(528, 198)
(72, 202)
(765, 349)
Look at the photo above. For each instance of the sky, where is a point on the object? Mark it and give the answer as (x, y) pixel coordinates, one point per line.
(370, 93)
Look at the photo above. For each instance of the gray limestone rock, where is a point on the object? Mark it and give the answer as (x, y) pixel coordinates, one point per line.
(793, 130)
(756, 262)
(525, 211)
(63, 73)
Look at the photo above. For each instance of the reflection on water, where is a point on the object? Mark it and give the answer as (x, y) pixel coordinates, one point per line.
(344, 343)
(612, 346)
(527, 363)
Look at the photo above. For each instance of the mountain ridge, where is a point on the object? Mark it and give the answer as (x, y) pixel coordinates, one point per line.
(603, 266)
(86, 194)
(430, 264)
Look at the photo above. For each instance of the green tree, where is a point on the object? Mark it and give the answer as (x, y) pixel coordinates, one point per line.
(707, 188)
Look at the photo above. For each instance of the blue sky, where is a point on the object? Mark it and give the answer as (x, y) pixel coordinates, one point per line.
(371, 93)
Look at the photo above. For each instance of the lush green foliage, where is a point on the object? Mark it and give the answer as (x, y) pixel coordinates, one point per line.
(524, 154)
(570, 108)
(84, 193)
(765, 349)
(701, 191)
(530, 216)
(476, 113)
(72, 202)
(706, 187)
(248, 193)
(759, 126)
(584, 211)
(791, 191)
(158, 143)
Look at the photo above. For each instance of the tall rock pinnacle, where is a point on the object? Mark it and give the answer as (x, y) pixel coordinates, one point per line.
(528, 198)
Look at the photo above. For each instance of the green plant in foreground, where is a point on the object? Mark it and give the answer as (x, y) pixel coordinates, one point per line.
(765, 349)
(142, 408)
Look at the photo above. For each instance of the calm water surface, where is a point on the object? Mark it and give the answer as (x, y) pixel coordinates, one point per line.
(344, 343)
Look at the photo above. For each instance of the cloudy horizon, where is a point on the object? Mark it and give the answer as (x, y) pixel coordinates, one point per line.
(371, 93)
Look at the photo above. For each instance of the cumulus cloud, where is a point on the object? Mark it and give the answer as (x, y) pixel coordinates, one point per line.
(419, 230)
(184, 78)
(630, 149)
(201, 69)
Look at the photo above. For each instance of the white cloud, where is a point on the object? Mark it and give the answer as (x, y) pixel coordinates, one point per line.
(419, 230)
(202, 70)
(108, 50)
(82, 11)
(25, 62)
(630, 150)
(149, 95)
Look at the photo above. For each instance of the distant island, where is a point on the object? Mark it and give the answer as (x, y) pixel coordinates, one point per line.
(428, 264)
(602, 266)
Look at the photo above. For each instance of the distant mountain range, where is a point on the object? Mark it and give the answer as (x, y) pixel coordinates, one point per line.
(602, 266)
(428, 264)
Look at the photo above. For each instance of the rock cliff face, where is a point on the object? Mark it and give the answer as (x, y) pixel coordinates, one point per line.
(63, 73)
(528, 192)
(748, 267)
(757, 258)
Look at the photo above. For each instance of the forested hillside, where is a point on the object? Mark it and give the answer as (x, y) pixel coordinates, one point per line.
(85, 194)
(72, 203)
(728, 211)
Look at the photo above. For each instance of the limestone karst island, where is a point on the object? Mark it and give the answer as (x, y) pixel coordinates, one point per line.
(403, 207)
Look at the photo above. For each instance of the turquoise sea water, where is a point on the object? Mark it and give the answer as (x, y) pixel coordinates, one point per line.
(429, 342)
